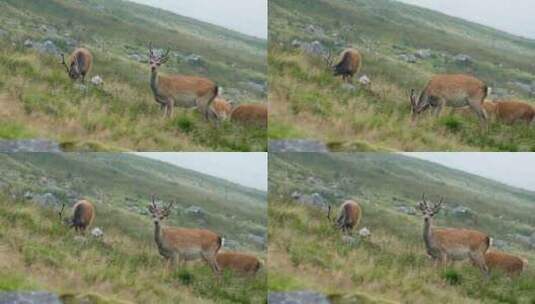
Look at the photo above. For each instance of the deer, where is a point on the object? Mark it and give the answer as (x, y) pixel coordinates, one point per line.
(238, 262)
(348, 217)
(220, 109)
(511, 111)
(83, 216)
(180, 90)
(349, 64)
(455, 91)
(80, 64)
(183, 244)
(510, 264)
(250, 114)
(449, 244)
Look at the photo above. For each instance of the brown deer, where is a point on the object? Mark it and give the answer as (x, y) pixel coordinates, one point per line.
(349, 64)
(349, 216)
(453, 91)
(80, 63)
(238, 262)
(250, 114)
(220, 109)
(510, 111)
(510, 264)
(183, 244)
(83, 215)
(180, 90)
(449, 244)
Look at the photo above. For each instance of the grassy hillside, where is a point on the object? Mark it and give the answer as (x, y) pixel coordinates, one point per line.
(38, 253)
(378, 117)
(391, 266)
(38, 99)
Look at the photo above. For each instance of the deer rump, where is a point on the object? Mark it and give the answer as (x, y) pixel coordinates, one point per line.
(238, 262)
(83, 215)
(349, 65)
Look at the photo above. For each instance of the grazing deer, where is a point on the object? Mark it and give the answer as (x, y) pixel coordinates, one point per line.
(220, 109)
(238, 262)
(510, 264)
(349, 216)
(250, 114)
(83, 215)
(510, 111)
(80, 63)
(180, 90)
(453, 91)
(349, 64)
(449, 244)
(183, 244)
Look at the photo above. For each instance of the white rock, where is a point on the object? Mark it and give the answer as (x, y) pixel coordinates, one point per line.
(364, 232)
(365, 80)
(97, 232)
(97, 80)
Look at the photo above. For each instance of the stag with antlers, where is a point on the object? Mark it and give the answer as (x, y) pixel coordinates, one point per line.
(83, 215)
(348, 66)
(183, 244)
(180, 90)
(450, 244)
(348, 216)
(80, 64)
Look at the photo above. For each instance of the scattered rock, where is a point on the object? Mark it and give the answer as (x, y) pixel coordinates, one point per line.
(365, 80)
(231, 244)
(48, 200)
(34, 297)
(407, 210)
(315, 30)
(258, 240)
(256, 87)
(297, 297)
(348, 87)
(297, 145)
(32, 145)
(195, 211)
(423, 53)
(315, 200)
(524, 87)
(408, 58)
(137, 57)
(461, 211)
(524, 240)
(79, 238)
(97, 232)
(462, 58)
(350, 241)
(47, 47)
(314, 48)
(97, 80)
(28, 43)
(500, 244)
(499, 93)
(194, 59)
(364, 232)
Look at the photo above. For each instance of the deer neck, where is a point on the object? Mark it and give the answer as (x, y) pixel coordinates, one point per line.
(154, 81)
(162, 248)
(428, 234)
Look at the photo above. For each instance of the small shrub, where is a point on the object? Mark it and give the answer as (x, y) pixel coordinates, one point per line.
(452, 277)
(185, 277)
(453, 123)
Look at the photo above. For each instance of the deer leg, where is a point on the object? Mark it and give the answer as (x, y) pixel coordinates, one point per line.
(170, 107)
(480, 112)
(211, 261)
(479, 260)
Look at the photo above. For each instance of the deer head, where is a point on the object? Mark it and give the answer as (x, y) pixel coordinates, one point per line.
(156, 60)
(158, 213)
(429, 209)
(73, 70)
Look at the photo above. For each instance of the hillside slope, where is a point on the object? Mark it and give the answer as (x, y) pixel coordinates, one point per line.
(38, 99)
(402, 47)
(306, 253)
(39, 253)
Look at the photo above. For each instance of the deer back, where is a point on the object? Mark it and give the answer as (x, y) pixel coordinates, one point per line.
(256, 114)
(503, 261)
(83, 58)
(455, 89)
(84, 214)
(461, 239)
(350, 214)
(191, 240)
(238, 262)
(512, 111)
(183, 86)
(350, 63)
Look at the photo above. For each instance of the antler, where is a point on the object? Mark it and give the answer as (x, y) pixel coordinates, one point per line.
(152, 206)
(61, 212)
(151, 52)
(64, 63)
(329, 213)
(329, 58)
(165, 57)
(167, 210)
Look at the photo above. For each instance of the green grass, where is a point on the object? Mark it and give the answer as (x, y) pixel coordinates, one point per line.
(36, 92)
(307, 100)
(307, 253)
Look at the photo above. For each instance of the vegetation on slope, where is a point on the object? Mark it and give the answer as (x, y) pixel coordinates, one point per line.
(38, 99)
(378, 117)
(391, 266)
(38, 253)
